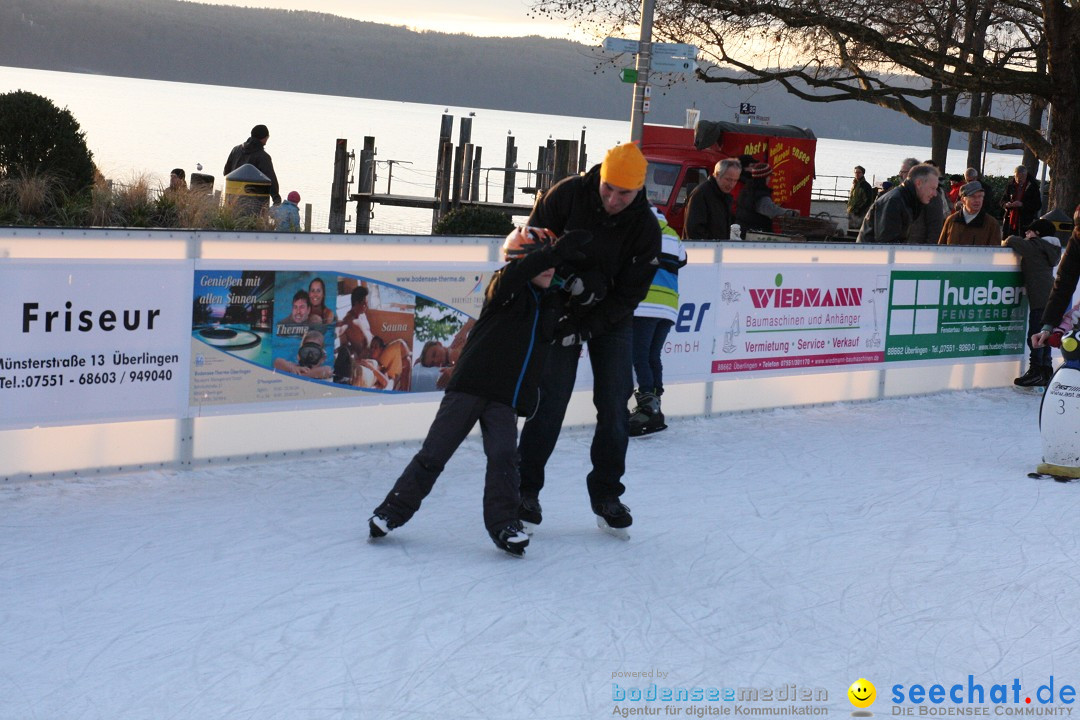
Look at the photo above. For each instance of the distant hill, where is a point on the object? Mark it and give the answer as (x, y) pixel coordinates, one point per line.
(318, 53)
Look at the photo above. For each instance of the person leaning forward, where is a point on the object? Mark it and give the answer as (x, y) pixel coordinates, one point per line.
(607, 201)
(710, 210)
(253, 151)
(889, 219)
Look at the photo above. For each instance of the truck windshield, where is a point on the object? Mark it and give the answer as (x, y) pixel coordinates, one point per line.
(660, 182)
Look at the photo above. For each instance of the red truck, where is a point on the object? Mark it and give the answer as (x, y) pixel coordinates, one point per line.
(680, 158)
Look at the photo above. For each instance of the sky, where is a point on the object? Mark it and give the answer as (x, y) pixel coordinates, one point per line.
(507, 18)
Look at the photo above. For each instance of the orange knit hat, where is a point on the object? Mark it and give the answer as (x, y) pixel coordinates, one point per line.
(624, 166)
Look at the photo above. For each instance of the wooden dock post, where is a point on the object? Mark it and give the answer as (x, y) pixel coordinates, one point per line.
(442, 184)
(509, 176)
(465, 192)
(474, 192)
(365, 184)
(339, 187)
(442, 192)
(582, 157)
(565, 162)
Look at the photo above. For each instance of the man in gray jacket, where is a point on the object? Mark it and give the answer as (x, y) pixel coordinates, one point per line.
(890, 217)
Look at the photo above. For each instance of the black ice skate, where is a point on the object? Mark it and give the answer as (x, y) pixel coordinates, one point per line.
(613, 518)
(511, 538)
(646, 418)
(379, 525)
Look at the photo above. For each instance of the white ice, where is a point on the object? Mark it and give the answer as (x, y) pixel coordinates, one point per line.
(899, 541)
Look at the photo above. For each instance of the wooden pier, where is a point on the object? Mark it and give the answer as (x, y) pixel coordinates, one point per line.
(457, 179)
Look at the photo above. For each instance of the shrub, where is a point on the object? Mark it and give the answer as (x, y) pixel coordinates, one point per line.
(37, 138)
(473, 221)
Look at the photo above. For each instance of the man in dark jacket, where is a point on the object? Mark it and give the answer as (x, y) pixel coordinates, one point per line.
(253, 151)
(494, 381)
(607, 201)
(860, 198)
(1040, 252)
(1021, 201)
(889, 219)
(710, 210)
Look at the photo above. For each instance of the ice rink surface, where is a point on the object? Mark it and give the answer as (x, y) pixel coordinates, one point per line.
(900, 541)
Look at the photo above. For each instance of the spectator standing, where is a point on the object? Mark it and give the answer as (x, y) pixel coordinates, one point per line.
(754, 208)
(860, 198)
(710, 210)
(926, 227)
(1039, 250)
(971, 224)
(1021, 201)
(890, 217)
(955, 183)
(178, 180)
(608, 201)
(253, 151)
(653, 319)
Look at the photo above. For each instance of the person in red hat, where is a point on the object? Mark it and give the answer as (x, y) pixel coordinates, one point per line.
(287, 214)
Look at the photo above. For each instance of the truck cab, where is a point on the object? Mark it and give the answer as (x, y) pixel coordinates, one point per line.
(682, 158)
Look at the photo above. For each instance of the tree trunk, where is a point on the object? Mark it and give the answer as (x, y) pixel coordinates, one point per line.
(939, 134)
(975, 139)
(1063, 59)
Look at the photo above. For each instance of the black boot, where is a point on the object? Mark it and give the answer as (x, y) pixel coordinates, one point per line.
(1034, 377)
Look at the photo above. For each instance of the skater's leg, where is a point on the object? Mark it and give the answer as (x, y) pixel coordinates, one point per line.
(457, 414)
(656, 350)
(498, 424)
(541, 430)
(644, 331)
(612, 386)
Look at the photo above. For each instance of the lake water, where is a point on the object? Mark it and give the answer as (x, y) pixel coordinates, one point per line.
(147, 127)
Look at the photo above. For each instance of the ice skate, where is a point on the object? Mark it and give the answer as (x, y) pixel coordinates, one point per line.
(530, 514)
(511, 538)
(1034, 381)
(379, 526)
(646, 418)
(613, 518)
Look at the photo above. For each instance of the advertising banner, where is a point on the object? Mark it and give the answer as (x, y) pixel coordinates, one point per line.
(794, 317)
(90, 341)
(263, 336)
(935, 314)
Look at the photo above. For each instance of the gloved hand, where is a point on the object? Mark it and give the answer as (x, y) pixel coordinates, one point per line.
(567, 333)
(568, 246)
(792, 213)
(586, 288)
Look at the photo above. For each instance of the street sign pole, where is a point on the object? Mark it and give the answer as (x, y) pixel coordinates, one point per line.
(637, 110)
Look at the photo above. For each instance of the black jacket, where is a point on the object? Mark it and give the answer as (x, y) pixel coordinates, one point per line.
(251, 151)
(709, 213)
(505, 352)
(624, 247)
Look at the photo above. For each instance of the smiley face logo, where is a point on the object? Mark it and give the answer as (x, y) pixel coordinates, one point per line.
(862, 693)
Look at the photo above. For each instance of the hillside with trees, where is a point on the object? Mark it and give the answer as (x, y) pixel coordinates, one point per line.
(317, 53)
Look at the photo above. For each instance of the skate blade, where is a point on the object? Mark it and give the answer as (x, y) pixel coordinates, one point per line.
(621, 533)
(1029, 390)
(647, 431)
(528, 528)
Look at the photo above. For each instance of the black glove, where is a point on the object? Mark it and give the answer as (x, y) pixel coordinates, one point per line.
(567, 333)
(586, 288)
(568, 246)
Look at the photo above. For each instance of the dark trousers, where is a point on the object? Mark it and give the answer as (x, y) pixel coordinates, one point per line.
(649, 336)
(1040, 357)
(457, 415)
(613, 383)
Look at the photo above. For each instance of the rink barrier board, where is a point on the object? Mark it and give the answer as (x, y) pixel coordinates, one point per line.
(253, 436)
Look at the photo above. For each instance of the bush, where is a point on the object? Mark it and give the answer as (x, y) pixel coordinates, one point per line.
(38, 139)
(473, 221)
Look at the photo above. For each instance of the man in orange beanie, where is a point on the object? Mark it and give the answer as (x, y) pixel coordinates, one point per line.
(609, 202)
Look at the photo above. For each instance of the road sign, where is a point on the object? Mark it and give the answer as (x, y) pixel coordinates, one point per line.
(621, 45)
(747, 109)
(647, 90)
(645, 105)
(674, 65)
(674, 50)
(628, 75)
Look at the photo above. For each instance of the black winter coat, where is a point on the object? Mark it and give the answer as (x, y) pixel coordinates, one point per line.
(251, 151)
(625, 247)
(505, 352)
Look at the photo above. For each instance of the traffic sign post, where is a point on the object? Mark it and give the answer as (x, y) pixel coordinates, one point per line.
(628, 75)
(673, 65)
(621, 45)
